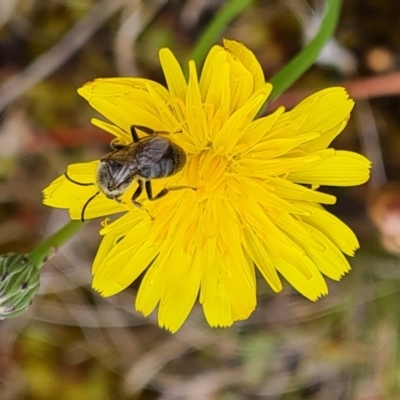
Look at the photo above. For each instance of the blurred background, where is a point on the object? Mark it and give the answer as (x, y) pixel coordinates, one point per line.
(72, 344)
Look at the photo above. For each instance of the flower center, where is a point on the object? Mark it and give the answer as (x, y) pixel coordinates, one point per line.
(207, 172)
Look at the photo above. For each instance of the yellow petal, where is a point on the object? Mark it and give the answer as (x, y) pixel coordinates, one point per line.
(291, 191)
(282, 165)
(150, 289)
(294, 227)
(125, 117)
(176, 82)
(124, 102)
(325, 138)
(109, 87)
(227, 137)
(121, 136)
(136, 263)
(320, 112)
(345, 168)
(241, 82)
(312, 288)
(169, 120)
(230, 234)
(133, 254)
(183, 217)
(336, 230)
(256, 191)
(302, 263)
(261, 258)
(278, 147)
(113, 233)
(248, 59)
(259, 128)
(265, 228)
(62, 193)
(196, 119)
(213, 64)
(331, 261)
(181, 289)
(215, 298)
(218, 99)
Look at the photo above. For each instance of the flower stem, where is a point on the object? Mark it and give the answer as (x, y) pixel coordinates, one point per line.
(211, 34)
(46, 249)
(302, 61)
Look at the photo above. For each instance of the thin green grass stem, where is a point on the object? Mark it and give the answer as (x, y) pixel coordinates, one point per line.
(213, 31)
(303, 61)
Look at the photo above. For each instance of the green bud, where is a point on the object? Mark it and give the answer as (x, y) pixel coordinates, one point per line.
(19, 282)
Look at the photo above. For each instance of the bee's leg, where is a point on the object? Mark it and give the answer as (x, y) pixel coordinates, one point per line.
(137, 193)
(163, 192)
(144, 129)
(116, 146)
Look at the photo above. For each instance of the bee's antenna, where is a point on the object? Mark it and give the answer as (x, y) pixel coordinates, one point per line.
(177, 127)
(76, 182)
(85, 206)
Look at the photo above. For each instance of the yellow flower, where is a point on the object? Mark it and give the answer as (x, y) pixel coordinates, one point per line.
(256, 203)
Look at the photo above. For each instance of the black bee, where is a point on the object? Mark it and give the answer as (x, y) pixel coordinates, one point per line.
(146, 158)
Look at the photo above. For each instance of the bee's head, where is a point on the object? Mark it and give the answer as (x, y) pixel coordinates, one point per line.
(113, 178)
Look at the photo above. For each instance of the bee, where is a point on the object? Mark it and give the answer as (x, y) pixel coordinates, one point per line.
(146, 158)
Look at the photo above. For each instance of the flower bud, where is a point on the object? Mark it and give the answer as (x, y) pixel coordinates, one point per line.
(19, 282)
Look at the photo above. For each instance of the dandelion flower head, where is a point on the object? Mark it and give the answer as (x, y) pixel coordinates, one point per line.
(256, 205)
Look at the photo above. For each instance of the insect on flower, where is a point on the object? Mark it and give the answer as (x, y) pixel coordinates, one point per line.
(256, 207)
(146, 158)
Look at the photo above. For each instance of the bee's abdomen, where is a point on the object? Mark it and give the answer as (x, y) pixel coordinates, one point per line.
(179, 157)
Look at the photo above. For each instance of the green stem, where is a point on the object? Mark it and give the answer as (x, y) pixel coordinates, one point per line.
(51, 244)
(225, 15)
(303, 61)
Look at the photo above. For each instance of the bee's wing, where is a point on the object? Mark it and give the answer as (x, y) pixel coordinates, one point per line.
(127, 156)
(140, 155)
(152, 150)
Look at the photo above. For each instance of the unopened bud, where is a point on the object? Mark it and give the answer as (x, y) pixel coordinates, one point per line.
(19, 282)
